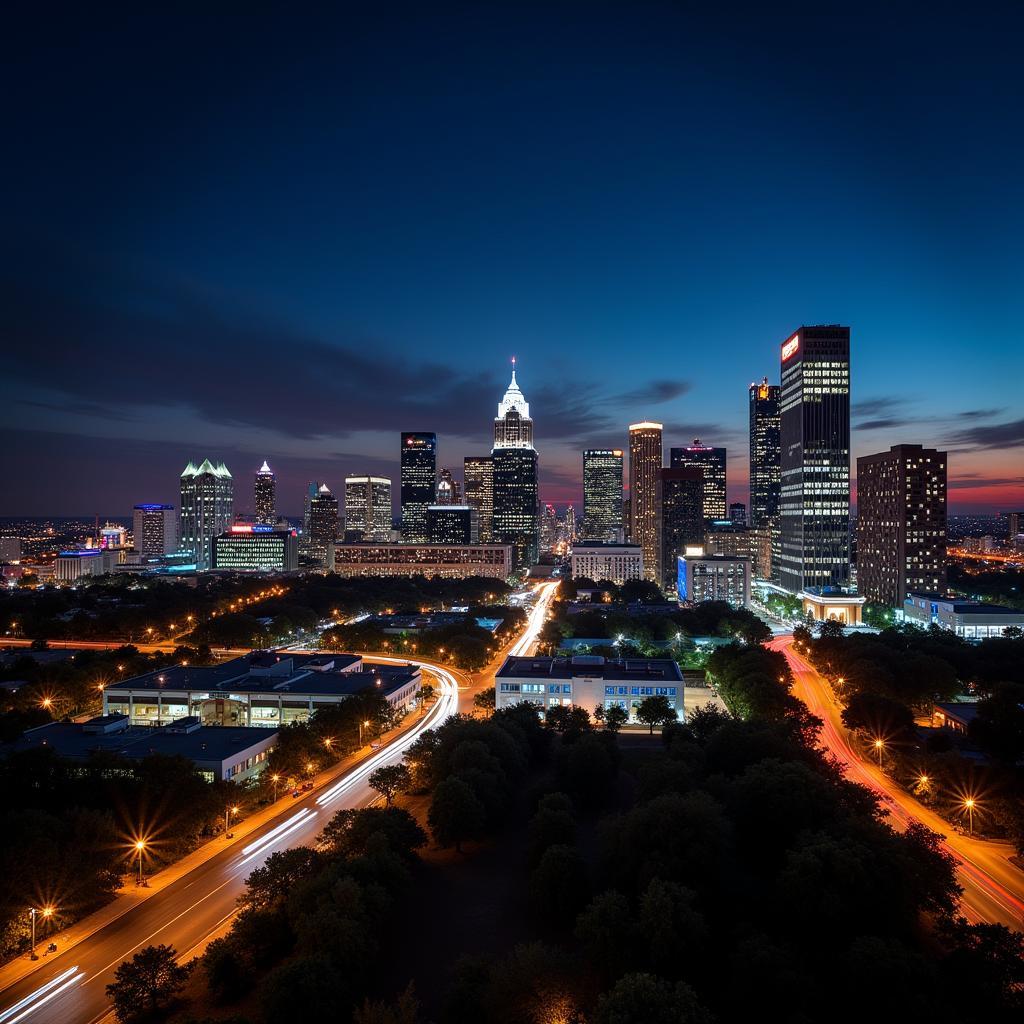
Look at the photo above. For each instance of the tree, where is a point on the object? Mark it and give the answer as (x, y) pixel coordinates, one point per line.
(647, 999)
(606, 932)
(404, 1010)
(425, 693)
(615, 718)
(485, 701)
(998, 727)
(456, 813)
(270, 884)
(558, 885)
(389, 780)
(349, 832)
(654, 711)
(571, 722)
(147, 982)
(878, 716)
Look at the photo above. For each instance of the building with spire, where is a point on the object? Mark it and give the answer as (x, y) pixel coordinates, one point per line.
(323, 526)
(514, 461)
(265, 491)
(207, 508)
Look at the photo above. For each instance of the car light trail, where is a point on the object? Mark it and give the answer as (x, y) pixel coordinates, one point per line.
(275, 831)
(41, 996)
(263, 845)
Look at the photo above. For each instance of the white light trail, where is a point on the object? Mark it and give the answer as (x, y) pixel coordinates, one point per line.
(34, 1000)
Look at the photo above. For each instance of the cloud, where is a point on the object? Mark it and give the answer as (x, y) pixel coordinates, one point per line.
(973, 482)
(979, 414)
(874, 406)
(881, 424)
(655, 392)
(996, 435)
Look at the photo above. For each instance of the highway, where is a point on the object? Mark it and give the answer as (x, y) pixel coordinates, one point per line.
(70, 986)
(993, 886)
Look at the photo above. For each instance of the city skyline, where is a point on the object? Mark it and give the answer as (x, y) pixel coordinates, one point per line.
(147, 305)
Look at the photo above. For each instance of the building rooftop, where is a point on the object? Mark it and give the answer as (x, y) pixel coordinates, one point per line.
(625, 669)
(964, 607)
(274, 672)
(111, 734)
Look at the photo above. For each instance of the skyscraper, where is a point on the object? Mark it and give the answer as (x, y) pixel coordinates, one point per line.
(453, 524)
(712, 462)
(207, 508)
(265, 493)
(682, 504)
(602, 494)
(448, 492)
(548, 528)
(515, 477)
(418, 475)
(368, 507)
(478, 474)
(901, 523)
(766, 465)
(312, 490)
(815, 441)
(738, 513)
(645, 456)
(323, 526)
(154, 530)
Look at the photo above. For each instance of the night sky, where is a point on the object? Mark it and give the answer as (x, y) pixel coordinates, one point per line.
(292, 238)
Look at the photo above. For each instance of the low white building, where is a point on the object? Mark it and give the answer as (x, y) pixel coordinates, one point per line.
(714, 578)
(588, 681)
(73, 565)
(970, 619)
(606, 561)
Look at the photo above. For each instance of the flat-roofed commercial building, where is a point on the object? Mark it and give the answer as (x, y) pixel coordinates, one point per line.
(714, 578)
(602, 495)
(73, 565)
(970, 619)
(235, 754)
(264, 689)
(588, 681)
(614, 562)
(154, 530)
(452, 524)
(254, 547)
(456, 561)
(712, 463)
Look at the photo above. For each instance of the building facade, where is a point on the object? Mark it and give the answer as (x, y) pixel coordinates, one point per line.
(901, 523)
(154, 530)
(455, 561)
(265, 495)
(968, 619)
(478, 477)
(418, 475)
(714, 578)
(712, 463)
(452, 524)
(602, 494)
(645, 458)
(256, 547)
(323, 525)
(515, 472)
(588, 681)
(368, 507)
(815, 439)
(604, 560)
(207, 508)
(682, 505)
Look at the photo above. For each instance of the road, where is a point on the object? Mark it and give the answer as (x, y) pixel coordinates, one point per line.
(70, 987)
(993, 886)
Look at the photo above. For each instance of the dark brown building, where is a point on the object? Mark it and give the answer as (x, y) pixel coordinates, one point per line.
(901, 523)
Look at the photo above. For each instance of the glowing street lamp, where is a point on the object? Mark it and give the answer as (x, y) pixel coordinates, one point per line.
(879, 746)
(969, 806)
(140, 848)
(47, 913)
(275, 779)
(229, 813)
(365, 724)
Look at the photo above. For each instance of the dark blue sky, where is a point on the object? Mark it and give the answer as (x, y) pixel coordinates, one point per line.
(293, 237)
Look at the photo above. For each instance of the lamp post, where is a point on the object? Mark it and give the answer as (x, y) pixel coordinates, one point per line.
(47, 912)
(275, 779)
(140, 846)
(362, 725)
(969, 804)
(229, 813)
(879, 746)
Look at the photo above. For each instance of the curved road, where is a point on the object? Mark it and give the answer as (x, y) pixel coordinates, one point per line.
(993, 886)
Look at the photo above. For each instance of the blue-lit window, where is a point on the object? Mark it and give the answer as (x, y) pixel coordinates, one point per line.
(623, 691)
(567, 688)
(555, 688)
(609, 691)
(509, 687)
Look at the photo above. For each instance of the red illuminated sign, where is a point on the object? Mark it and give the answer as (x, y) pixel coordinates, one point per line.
(790, 347)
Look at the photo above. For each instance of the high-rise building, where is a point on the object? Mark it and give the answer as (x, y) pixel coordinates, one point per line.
(154, 530)
(645, 456)
(323, 526)
(738, 513)
(815, 441)
(901, 523)
(266, 495)
(368, 507)
(766, 465)
(478, 474)
(418, 477)
(515, 477)
(448, 490)
(682, 504)
(1015, 529)
(256, 547)
(602, 494)
(548, 528)
(207, 508)
(452, 524)
(711, 461)
(570, 525)
(312, 490)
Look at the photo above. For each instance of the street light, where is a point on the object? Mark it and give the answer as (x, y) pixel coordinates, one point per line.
(229, 812)
(969, 804)
(275, 779)
(140, 846)
(47, 912)
(363, 725)
(879, 746)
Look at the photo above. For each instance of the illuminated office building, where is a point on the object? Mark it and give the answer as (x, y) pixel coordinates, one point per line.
(602, 494)
(207, 508)
(815, 443)
(323, 526)
(418, 475)
(681, 501)
(368, 507)
(711, 462)
(265, 491)
(478, 474)
(766, 465)
(645, 456)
